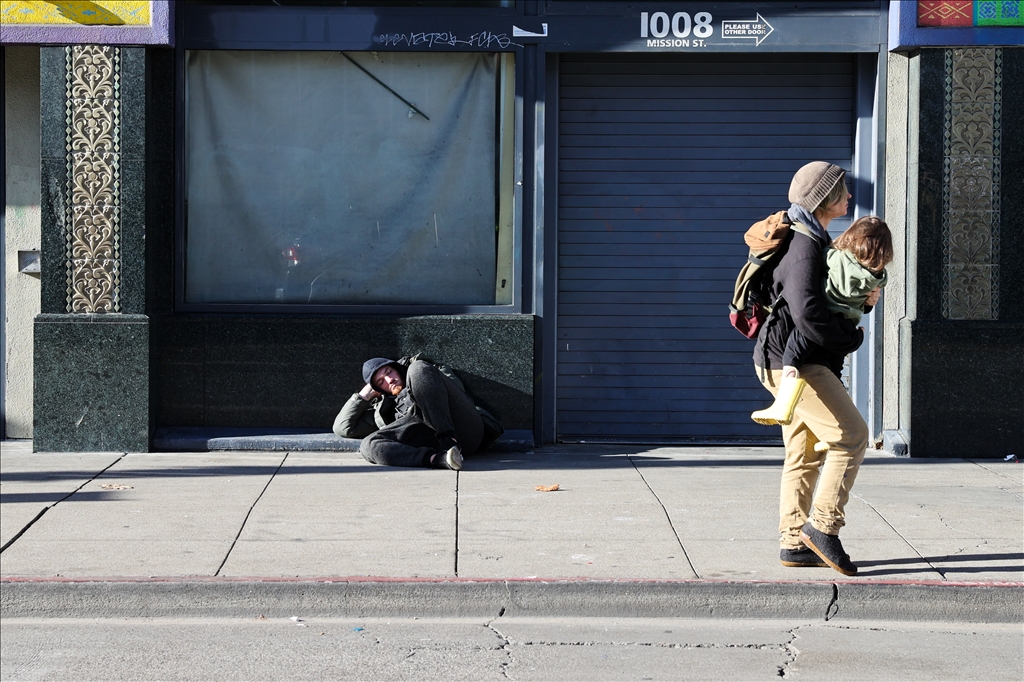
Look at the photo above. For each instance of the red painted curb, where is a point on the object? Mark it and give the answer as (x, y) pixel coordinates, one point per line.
(533, 580)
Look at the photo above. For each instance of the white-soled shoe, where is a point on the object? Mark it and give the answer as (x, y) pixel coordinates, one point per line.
(453, 458)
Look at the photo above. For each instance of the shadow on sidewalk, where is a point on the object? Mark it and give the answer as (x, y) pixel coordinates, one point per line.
(57, 496)
(940, 563)
(487, 462)
(562, 457)
(198, 472)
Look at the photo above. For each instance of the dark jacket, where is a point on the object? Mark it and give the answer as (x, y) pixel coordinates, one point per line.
(798, 280)
(359, 418)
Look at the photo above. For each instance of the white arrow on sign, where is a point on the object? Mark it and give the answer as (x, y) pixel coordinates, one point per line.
(758, 29)
(523, 33)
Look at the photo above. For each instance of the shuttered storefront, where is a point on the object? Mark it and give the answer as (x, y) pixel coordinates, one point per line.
(664, 161)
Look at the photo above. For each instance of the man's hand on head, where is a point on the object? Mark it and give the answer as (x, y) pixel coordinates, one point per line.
(369, 393)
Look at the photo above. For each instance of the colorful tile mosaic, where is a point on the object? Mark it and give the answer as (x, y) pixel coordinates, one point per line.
(969, 13)
(945, 13)
(99, 13)
(998, 13)
(103, 22)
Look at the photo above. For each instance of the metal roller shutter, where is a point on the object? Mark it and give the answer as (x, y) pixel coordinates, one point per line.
(664, 161)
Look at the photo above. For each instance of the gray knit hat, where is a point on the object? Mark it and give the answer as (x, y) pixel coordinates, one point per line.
(813, 182)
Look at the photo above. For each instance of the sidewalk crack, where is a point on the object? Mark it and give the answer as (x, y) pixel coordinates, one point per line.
(994, 472)
(51, 506)
(506, 645)
(668, 517)
(508, 599)
(248, 513)
(831, 612)
(902, 537)
(792, 653)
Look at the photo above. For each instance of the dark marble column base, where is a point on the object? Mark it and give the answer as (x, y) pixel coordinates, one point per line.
(296, 372)
(91, 383)
(967, 389)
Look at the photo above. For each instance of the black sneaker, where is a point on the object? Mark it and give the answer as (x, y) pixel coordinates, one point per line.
(800, 558)
(829, 548)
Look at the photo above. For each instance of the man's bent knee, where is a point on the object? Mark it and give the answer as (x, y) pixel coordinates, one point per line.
(367, 448)
(419, 368)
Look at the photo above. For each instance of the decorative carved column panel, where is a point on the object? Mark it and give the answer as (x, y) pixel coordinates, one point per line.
(91, 385)
(94, 178)
(971, 184)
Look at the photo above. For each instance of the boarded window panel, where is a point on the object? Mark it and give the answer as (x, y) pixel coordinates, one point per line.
(310, 183)
(664, 161)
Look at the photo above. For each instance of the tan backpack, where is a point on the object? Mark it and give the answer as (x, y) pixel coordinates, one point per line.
(751, 295)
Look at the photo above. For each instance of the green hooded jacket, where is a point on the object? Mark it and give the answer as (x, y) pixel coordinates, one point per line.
(848, 283)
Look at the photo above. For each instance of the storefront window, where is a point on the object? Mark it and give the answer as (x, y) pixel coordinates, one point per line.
(364, 178)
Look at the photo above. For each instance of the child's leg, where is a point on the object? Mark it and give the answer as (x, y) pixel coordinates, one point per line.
(794, 373)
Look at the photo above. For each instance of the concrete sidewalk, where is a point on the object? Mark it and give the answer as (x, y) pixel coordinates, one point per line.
(628, 514)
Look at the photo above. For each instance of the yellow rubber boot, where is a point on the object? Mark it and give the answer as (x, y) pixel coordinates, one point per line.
(781, 411)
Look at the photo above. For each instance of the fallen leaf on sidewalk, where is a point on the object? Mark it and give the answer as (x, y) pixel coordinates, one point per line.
(116, 486)
(547, 488)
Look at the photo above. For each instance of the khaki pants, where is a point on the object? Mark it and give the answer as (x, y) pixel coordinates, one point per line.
(826, 413)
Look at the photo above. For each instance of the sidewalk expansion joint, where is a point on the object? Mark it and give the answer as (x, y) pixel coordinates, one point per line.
(902, 537)
(51, 506)
(248, 513)
(458, 478)
(668, 516)
(1000, 474)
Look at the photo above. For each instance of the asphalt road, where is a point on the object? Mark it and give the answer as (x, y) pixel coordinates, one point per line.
(298, 648)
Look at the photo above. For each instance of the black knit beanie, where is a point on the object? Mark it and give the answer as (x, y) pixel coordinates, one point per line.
(372, 365)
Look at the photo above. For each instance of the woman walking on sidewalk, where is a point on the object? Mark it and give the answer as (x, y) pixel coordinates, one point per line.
(826, 417)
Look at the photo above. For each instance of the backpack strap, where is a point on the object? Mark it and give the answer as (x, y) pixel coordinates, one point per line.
(780, 301)
(772, 318)
(803, 229)
(806, 231)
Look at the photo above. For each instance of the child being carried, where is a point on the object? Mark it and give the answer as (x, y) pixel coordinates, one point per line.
(855, 268)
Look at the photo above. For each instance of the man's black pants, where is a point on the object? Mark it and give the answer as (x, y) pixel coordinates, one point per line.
(441, 409)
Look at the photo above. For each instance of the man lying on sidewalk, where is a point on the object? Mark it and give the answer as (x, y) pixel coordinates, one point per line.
(421, 416)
